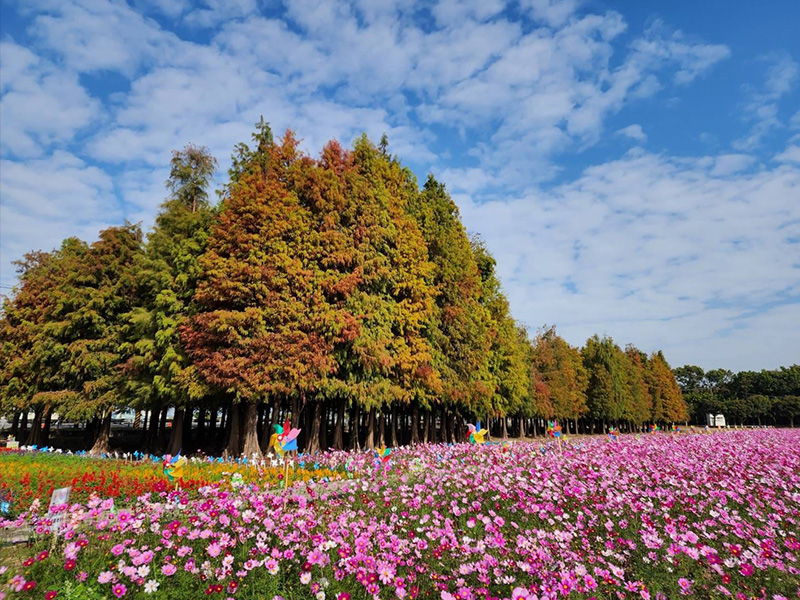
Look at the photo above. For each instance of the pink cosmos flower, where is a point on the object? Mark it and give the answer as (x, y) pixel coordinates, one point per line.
(685, 585)
(105, 577)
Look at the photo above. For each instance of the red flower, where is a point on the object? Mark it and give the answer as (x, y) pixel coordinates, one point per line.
(50, 595)
(42, 555)
(69, 565)
(29, 585)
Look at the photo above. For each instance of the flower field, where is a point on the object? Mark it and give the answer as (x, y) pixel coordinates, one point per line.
(30, 476)
(660, 516)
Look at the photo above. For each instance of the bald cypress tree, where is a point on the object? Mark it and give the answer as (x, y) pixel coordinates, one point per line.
(260, 326)
(161, 374)
(508, 366)
(459, 324)
(559, 366)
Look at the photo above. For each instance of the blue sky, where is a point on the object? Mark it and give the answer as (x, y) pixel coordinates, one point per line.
(634, 166)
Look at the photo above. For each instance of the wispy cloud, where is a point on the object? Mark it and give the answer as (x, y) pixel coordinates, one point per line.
(762, 108)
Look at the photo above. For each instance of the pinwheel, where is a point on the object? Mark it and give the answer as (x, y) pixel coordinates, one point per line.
(675, 429)
(383, 453)
(284, 439)
(613, 434)
(475, 434)
(653, 428)
(173, 466)
(553, 429)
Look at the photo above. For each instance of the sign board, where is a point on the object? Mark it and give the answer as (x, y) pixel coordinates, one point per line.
(60, 496)
(715, 420)
(12, 445)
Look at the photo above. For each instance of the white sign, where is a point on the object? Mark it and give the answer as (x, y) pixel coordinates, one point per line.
(60, 496)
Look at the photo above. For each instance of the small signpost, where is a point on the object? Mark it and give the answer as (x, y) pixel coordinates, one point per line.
(12, 443)
(59, 497)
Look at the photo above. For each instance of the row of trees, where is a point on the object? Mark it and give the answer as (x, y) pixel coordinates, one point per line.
(331, 291)
(745, 398)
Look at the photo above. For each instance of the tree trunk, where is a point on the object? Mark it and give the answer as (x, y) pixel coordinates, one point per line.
(212, 428)
(102, 443)
(355, 442)
(393, 430)
(369, 443)
(44, 439)
(312, 444)
(188, 416)
(338, 429)
(269, 427)
(234, 434)
(382, 417)
(250, 448)
(415, 424)
(176, 434)
(35, 432)
(152, 431)
(323, 425)
(15, 424)
(201, 427)
(260, 425)
(505, 427)
(24, 427)
(162, 426)
(426, 426)
(296, 408)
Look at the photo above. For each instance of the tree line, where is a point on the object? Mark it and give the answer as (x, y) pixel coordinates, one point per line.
(332, 291)
(768, 397)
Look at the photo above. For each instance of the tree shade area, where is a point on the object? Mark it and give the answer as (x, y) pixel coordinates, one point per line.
(333, 291)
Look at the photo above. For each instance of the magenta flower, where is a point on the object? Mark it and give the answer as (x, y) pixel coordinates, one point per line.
(685, 585)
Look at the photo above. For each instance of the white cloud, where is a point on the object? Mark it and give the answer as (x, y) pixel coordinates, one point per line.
(48, 199)
(790, 155)
(552, 12)
(97, 35)
(666, 252)
(634, 132)
(41, 104)
(728, 164)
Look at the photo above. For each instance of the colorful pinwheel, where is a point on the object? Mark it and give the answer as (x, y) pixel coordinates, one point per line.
(653, 428)
(553, 429)
(475, 434)
(173, 467)
(284, 439)
(613, 434)
(383, 453)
